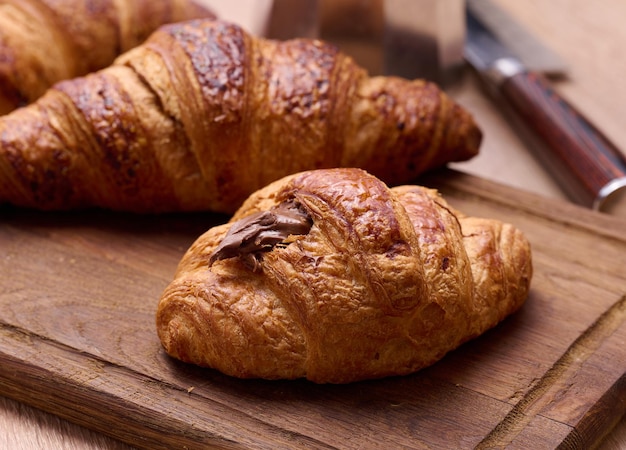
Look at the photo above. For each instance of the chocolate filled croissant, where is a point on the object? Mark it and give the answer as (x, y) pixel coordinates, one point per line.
(332, 276)
(202, 114)
(45, 41)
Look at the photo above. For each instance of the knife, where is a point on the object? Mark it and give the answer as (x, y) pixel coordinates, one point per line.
(589, 167)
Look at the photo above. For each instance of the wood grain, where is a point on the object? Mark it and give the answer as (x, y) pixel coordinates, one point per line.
(78, 339)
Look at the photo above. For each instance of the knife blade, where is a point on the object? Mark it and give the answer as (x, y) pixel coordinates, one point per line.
(591, 169)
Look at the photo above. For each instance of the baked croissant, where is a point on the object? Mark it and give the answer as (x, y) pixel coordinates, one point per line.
(202, 114)
(45, 41)
(332, 276)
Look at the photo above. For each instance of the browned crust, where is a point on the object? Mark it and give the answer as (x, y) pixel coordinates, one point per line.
(203, 114)
(386, 282)
(46, 41)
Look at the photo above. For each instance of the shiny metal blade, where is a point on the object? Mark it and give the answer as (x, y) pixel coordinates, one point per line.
(482, 47)
(535, 54)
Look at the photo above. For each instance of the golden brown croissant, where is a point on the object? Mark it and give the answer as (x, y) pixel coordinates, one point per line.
(332, 276)
(202, 114)
(45, 41)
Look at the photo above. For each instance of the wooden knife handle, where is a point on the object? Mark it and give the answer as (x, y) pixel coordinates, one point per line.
(577, 145)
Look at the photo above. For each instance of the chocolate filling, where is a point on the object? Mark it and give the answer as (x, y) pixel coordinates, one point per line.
(261, 232)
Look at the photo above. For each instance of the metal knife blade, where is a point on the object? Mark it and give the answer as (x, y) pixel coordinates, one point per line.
(531, 51)
(590, 168)
(485, 52)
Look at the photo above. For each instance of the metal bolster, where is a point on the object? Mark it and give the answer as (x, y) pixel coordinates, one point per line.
(502, 69)
(611, 196)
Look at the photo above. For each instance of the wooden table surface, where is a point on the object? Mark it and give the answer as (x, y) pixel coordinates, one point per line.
(589, 36)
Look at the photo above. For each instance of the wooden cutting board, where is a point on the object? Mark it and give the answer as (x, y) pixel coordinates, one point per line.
(77, 338)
